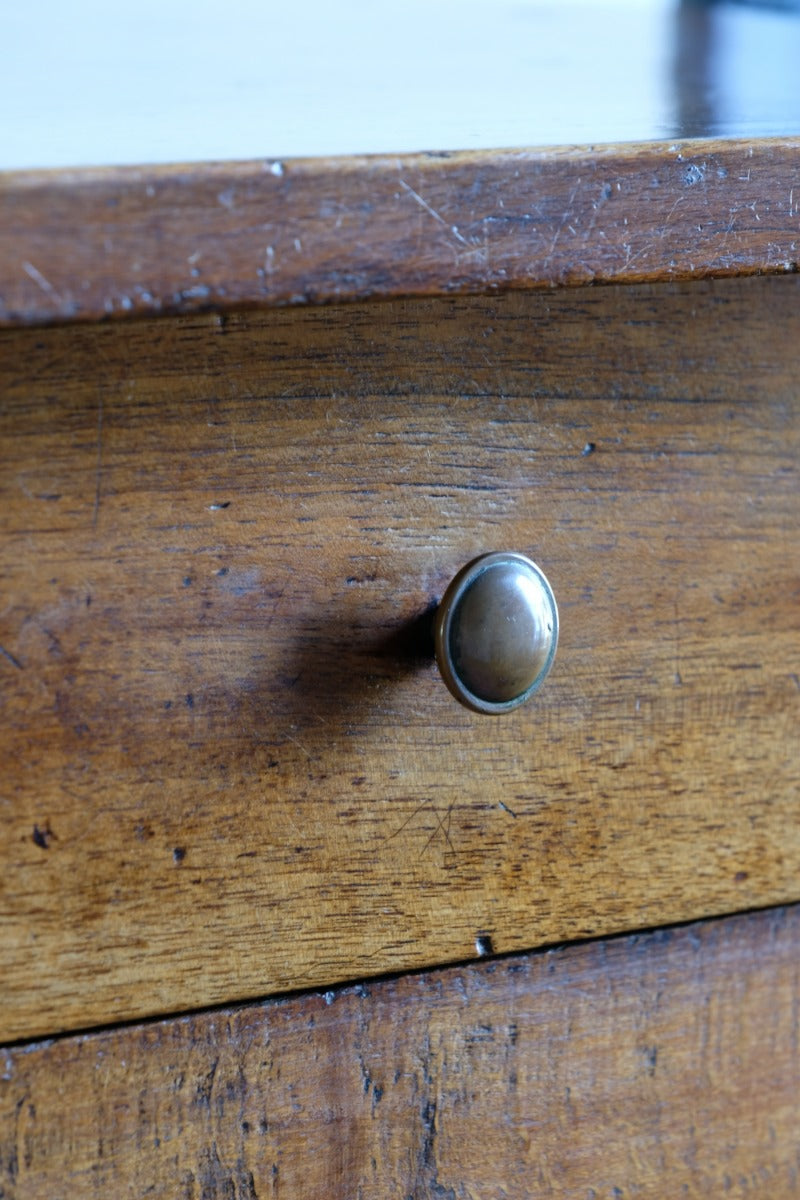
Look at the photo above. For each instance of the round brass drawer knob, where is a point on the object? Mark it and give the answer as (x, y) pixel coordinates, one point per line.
(496, 632)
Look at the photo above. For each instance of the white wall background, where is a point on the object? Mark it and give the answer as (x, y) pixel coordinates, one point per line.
(89, 82)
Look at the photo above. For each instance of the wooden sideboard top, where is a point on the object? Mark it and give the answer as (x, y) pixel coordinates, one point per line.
(116, 242)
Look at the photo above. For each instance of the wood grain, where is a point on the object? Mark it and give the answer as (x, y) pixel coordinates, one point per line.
(664, 1065)
(230, 770)
(113, 242)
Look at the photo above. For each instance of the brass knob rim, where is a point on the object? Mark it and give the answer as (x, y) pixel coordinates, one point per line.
(536, 654)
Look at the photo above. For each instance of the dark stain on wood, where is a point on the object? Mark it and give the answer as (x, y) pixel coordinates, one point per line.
(42, 837)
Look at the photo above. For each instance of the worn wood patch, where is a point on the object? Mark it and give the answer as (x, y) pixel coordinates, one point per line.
(118, 241)
(648, 1066)
(229, 768)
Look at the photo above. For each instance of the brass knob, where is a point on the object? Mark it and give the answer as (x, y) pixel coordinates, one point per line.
(496, 632)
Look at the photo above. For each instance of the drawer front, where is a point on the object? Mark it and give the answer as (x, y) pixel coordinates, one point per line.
(645, 1066)
(230, 768)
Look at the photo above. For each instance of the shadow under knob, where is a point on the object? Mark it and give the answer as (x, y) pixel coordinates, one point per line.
(496, 632)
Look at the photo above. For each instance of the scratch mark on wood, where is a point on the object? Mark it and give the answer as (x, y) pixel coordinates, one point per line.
(436, 216)
(443, 826)
(677, 678)
(668, 218)
(11, 658)
(407, 821)
(505, 808)
(298, 743)
(630, 257)
(564, 220)
(38, 278)
(98, 467)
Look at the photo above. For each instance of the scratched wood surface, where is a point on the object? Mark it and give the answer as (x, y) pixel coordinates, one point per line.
(662, 1065)
(94, 243)
(229, 767)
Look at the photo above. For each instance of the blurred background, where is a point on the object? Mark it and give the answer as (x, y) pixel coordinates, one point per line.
(89, 83)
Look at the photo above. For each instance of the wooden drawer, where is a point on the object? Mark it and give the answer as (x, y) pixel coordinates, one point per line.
(233, 770)
(644, 1065)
